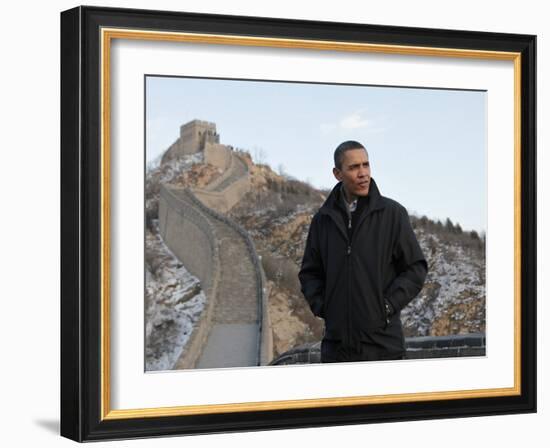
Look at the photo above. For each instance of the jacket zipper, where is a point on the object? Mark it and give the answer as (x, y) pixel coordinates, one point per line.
(348, 262)
(350, 242)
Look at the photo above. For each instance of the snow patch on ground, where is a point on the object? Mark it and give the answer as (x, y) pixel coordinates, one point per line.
(174, 299)
(456, 276)
(174, 304)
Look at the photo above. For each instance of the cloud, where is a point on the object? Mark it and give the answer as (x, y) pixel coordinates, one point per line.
(353, 121)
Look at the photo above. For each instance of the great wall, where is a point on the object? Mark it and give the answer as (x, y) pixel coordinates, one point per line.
(234, 329)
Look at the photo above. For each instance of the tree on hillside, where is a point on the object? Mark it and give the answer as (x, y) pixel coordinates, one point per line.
(449, 226)
(260, 156)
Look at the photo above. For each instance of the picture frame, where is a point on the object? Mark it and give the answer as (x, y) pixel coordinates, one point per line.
(88, 167)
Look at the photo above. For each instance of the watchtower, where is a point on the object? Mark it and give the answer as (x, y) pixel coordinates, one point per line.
(196, 133)
(193, 137)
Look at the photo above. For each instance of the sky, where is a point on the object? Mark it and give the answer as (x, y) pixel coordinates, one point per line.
(427, 147)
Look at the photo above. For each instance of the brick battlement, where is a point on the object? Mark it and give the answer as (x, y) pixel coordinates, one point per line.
(417, 348)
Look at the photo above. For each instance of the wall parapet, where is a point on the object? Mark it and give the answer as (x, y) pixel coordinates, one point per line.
(228, 171)
(224, 201)
(190, 223)
(229, 189)
(168, 196)
(219, 156)
(459, 345)
(420, 347)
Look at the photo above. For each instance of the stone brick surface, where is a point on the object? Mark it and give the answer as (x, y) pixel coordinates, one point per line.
(237, 300)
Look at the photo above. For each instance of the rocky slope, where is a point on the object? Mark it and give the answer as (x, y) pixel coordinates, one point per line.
(453, 298)
(174, 301)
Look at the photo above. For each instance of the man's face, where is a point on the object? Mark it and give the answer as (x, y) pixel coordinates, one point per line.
(355, 172)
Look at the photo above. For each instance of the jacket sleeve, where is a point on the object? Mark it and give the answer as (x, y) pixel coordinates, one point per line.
(410, 263)
(312, 273)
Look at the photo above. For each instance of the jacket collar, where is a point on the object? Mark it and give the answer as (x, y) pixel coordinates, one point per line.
(376, 200)
(331, 205)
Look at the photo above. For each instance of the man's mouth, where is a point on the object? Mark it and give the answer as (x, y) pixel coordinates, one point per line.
(364, 184)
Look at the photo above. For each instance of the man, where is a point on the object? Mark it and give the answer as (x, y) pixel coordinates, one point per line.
(362, 264)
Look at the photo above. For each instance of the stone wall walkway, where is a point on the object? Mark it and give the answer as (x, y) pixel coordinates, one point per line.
(233, 340)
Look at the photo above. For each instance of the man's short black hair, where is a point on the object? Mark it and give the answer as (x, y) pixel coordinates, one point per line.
(342, 148)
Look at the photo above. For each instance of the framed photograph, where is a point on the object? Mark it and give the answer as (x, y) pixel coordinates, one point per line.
(272, 223)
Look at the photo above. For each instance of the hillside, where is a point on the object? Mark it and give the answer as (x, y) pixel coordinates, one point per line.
(276, 212)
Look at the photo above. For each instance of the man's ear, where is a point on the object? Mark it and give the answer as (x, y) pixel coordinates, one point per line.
(337, 173)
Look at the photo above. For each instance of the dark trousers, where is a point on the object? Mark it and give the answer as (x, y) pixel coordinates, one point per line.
(334, 351)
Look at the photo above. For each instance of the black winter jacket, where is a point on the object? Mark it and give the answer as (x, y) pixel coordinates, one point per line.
(347, 282)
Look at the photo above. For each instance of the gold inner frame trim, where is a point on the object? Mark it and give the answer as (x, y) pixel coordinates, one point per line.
(107, 34)
(105, 238)
(517, 222)
(218, 39)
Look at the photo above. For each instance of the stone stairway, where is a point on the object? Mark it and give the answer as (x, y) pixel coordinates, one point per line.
(233, 340)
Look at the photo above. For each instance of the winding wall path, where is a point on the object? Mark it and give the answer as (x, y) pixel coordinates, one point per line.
(235, 320)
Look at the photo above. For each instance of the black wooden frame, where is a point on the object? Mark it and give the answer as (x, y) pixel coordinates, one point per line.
(81, 218)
